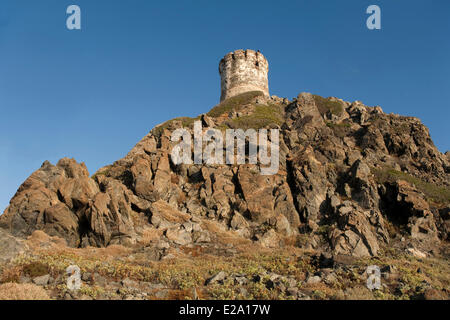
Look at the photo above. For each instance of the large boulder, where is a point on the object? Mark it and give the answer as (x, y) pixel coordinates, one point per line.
(354, 235)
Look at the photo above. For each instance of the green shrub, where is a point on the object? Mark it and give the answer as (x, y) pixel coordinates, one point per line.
(186, 122)
(35, 269)
(338, 125)
(341, 129)
(326, 104)
(435, 193)
(263, 116)
(234, 103)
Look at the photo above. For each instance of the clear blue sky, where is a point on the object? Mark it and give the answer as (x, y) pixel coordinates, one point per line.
(93, 94)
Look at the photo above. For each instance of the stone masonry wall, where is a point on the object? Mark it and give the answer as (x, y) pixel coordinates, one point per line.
(243, 71)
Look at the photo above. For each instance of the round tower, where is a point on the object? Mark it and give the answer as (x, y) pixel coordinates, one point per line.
(243, 71)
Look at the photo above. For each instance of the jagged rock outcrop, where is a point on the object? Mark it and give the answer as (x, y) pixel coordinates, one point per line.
(351, 178)
(64, 201)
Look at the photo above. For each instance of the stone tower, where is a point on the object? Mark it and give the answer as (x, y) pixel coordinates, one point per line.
(243, 71)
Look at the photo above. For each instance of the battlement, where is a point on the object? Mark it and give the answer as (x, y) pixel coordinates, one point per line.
(243, 71)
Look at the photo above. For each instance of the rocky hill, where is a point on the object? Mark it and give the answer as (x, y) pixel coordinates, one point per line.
(352, 181)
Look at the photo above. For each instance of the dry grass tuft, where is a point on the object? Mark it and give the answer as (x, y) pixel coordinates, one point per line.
(357, 293)
(40, 240)
(150, 235)
(11, 273)
(15, 291)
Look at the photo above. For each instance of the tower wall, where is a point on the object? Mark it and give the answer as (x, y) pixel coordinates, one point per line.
(243, 71)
